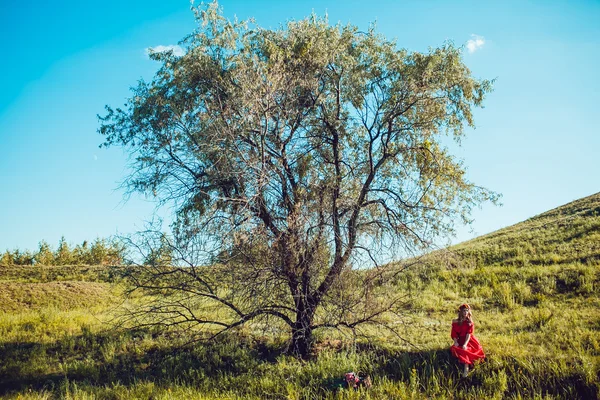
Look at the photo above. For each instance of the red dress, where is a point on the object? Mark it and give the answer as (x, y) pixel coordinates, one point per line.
(474, 351)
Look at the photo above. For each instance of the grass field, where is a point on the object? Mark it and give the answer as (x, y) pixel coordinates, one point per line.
(533, 287)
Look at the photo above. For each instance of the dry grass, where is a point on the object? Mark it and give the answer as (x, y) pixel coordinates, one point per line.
(20, 296)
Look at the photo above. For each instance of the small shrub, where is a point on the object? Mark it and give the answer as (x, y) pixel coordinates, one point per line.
(521, 292)
(543, 284)
(540, 317)
(503, 296)
(495, 383)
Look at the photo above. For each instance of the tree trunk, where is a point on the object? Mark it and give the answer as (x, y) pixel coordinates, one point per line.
(302, 335)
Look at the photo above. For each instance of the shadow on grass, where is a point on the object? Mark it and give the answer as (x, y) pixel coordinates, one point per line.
(101, 360)
(125, 358)
(424, 363)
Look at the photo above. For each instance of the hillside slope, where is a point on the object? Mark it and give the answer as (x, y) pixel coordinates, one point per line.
(534, 288)
(565, 235)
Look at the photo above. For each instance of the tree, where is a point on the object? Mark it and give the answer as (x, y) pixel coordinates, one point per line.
(288, 154)
(106, 252)
(22, 257)
(44, 255)
(7, 258)
(160, 253)
(82, 254)
(63, 254)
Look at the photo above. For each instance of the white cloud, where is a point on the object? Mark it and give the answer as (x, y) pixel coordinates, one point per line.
(475, 43)
(177, 50)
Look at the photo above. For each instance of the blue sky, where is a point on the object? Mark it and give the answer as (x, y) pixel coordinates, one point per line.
(537, 139)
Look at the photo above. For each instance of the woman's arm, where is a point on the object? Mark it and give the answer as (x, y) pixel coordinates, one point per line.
(454, 334)
(467, 338)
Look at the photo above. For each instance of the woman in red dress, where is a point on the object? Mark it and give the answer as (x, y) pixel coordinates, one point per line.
(466, 347)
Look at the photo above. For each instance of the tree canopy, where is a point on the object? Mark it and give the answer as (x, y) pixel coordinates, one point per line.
(286, 153)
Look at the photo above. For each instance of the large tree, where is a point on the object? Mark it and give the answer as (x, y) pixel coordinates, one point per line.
(290, 156)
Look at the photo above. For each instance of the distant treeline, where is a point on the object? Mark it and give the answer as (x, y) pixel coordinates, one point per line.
(99, 252)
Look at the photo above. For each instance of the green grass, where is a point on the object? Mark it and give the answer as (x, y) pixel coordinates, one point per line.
(565, 235)
(533, 287)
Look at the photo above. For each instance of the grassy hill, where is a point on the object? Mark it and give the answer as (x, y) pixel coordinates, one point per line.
(564, 235)
(533, 287)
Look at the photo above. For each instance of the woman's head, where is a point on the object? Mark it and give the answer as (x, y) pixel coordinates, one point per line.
(464, 312)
